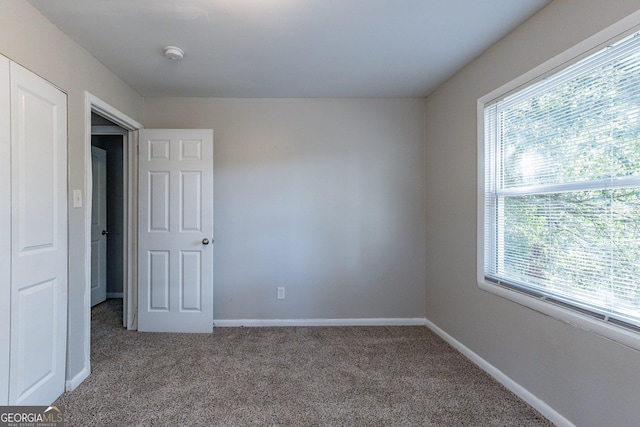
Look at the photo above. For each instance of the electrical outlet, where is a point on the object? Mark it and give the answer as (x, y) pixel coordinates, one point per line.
(280, 292)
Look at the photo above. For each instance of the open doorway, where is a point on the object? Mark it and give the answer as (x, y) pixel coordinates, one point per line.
(109, 213)
(104, 121)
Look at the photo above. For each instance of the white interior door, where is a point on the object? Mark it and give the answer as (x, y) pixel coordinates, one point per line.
(99, 226)
(5, 229)
(175, 253)
(38, 239)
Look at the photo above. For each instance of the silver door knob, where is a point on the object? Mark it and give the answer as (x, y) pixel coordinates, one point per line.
(205, 241)
(105, 232)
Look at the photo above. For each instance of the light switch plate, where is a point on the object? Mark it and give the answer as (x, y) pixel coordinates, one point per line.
(77, 198)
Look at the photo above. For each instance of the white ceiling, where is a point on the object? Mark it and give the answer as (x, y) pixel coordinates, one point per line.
(287, 48)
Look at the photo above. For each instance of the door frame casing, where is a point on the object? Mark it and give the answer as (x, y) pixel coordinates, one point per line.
(102, 108)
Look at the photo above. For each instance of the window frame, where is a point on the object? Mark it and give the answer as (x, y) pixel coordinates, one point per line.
(548, 306)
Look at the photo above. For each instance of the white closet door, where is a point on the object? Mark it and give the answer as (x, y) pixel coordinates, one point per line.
(99, 226)
(38, 239)
(175, 273)
(5, 229)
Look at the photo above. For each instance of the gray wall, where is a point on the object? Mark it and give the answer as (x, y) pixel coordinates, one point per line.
(588, 379)
(29, 39)
(325, 197)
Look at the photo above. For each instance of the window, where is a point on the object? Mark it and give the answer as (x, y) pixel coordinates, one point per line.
(561, 191)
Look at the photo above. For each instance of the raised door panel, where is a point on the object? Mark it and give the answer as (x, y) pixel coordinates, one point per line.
(190, 200)
(190, 280)
(38, 239)
(159, 280)
(159, 202)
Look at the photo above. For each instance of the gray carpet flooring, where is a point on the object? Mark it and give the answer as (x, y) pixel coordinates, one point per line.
(294, 376)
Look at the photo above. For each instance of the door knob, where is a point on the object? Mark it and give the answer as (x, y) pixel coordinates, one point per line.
(205, 241)
(105, 232)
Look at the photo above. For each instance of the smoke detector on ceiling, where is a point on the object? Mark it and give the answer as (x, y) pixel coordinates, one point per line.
(173, 53)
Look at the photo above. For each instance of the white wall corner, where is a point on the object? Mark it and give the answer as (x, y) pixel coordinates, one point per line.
(71, 384)
(538, 404)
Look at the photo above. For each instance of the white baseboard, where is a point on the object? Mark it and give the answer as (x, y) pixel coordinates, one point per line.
(234, 323)
(71, 384)
(115, 295)
(542, 407)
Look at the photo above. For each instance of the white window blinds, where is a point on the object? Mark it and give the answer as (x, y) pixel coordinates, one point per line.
(562, 186)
